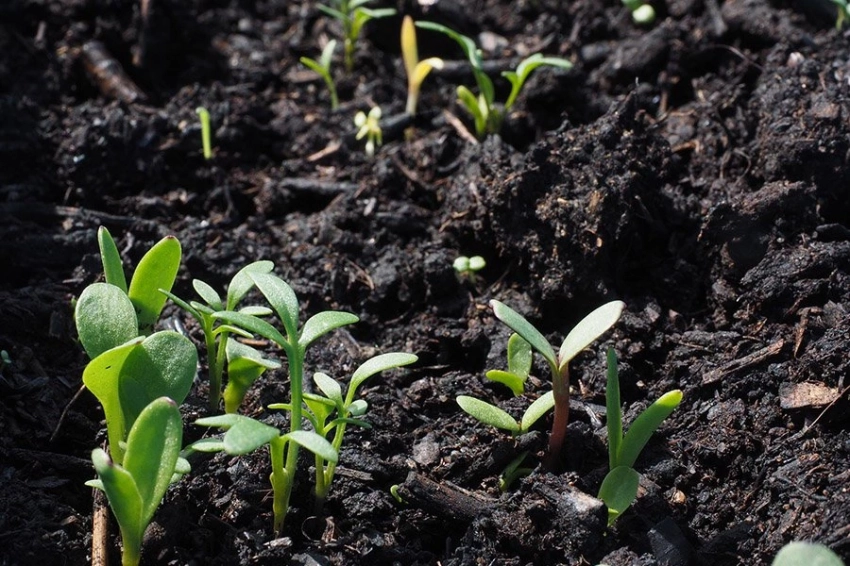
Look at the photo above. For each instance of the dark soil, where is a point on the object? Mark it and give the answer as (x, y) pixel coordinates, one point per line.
(696, 169)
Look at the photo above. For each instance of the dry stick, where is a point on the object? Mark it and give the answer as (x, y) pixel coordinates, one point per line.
(100, 530)
(108, 74)
(747, 361)
(65, 413)
(443, 499)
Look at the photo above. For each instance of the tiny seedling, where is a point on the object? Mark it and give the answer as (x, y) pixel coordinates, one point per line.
(5, 360)
(513, 472)
(151, 462)
(468, 267)
(806, 554)
(206, 131)
(494, 416)
(322, 67)
(416, 70)
(486, 114)
(330, 414)
(396, 495)
(642, 13)
(242, 373)
(843, 13)
(619, 488)
(294, 341)
(353, 15)
(519, 366)
(370, 128)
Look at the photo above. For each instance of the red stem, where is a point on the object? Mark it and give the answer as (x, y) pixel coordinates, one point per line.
(558, 436)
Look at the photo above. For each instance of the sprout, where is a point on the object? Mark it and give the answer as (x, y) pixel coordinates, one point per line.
(206, 133)
(370, 128)
(353, 15)
(642, 13)
(416, 70)
(322, 67)
(843, 12)
(467, 267)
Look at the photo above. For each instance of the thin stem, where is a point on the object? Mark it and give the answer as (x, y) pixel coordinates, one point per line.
(296, 378)
(323, 486)
(217, 369)
(281, 484)
(561, 391)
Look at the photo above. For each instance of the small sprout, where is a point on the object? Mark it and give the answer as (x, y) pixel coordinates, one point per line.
(843, 13)
(619, 488)
(206, 131)
(353, 15)
(513, 472)
(135, 489)
(5, 360)
(370, 127)
(322, 67)
(486, 114)
(396, 495)
(467, 267)
(642, 13)
(416, 70)
(806, 554)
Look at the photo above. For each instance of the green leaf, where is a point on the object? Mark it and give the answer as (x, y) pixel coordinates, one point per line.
(540, 407)
(256, 310)
(327, 56)
(124, 499)
(619, 490)
(113, 267)
(471, 103)
(230, 329)
(806, 554)
(207, 445)
(244, 434)
(105, 318)
(164, 365)
(358, 408)
(614, 412)
(645, 425)
(487, 413)
(282, 299)
(514, 382)
(252, 324)
(336, 14)
(157, 270)
(153, 448)
(376, 365)
(183, 305)
(244, 366)
(208, 294)
(524, 69)
(321, 323)
(588, 330)
(329, 387)
(314, 443)
(525, 329)
(519, 356)
(242, 283)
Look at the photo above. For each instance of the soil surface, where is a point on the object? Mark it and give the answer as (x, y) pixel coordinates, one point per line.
(696, 168)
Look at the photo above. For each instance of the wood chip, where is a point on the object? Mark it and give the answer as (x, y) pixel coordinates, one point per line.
(806, 395)
(747, 361)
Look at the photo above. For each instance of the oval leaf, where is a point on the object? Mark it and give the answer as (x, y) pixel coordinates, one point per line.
(806, 554)
(157, 270)
(105, 318)
(540, 407)
(242, 283)
(329, 387)
(588, 330)
(525, 329)
(321, 323)
(519, 356)
(281, 297)
(113, 267)
(208, 294)
(375, 365)
(619, 490)
(252, 324)
(487, 413)
(514, 382)
(314, 443)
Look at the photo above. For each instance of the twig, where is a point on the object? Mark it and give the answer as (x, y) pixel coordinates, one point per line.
(100, 530)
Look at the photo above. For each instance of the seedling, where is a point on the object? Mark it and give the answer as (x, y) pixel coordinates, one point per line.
(135, 489)
(322, 67)
(642, 13)
(396, 495)
(5, 360)
(467, 267)
(486, 114)
(494, 416)
(242, 373)
(331, 414)
(620, 486)
(353, 15)
(513, 472)
(519, 366)
(806, 554)
(581, 336)
(206, 131)
(843, 13)
(370, 128)
(294, 342)
(416, 70)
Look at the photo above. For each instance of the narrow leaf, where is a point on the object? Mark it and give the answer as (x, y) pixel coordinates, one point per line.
(376, 365)
(409, 49)
(157, 270)
(619, 490)
(252, 324)
(183, 305)
(321, 323)
(487, 413)
(105, 318)
(282, 299)
(113, 267)
(208, 294)
(514, 382)
(244, 434)
(525, 329)
(614, 412)
(314, 443)
(329, 387)
(244, 366)
(242, 283)
(645, 425)
(588, 330)
(524, 70)
(540, 407)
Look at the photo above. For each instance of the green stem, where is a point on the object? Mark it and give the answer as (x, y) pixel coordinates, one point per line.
(216, 357)
(281, 482)
(561, 391)
(283, 489)
(325, 478)
(132, 553)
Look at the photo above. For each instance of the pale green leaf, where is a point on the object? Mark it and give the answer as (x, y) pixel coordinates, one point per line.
(619, 490)
(525, 329)
(208, 294)
(540, 407)
(244, 434)
(282, 299)
(242, 283)
(314, 443)
(252, 324)
(321, 323)
(105, 318)
(588, 330)
(124, 499)
(376, 365)
(156, 270)
(113, 267)
(514, 382)
(645, 425)
(329, 387)
(806, 554)
(519, 356)
(487, 413)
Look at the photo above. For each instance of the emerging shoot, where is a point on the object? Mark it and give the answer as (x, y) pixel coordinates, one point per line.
(642, 13)
(467, 267)
(322, 67)
(370, 128)
(416, 70)
(353, 15)
(206, 131)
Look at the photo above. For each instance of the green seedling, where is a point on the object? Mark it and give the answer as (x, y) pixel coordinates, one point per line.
(353, 15)
(487, 115)
(322, 67)
(843, 13)
(370, 128)
(494, 416)
(642, 13)
(129, 368)
(332, 413)
(619, 488)
(294, 341)
(513, 472)
(416, 70)
(806, 554)
(519, 366)
(151, 462)
(580, 337)
(468, 267)
(206, 131)
(396, 495)
(250, 365)
(5, 360)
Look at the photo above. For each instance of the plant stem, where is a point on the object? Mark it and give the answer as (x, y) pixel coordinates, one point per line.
(561, 391)
(283, 488)
(325, 472)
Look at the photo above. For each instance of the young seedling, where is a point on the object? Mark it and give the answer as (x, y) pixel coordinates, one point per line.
(619, 488)
(486, 114)
(467, 267)
(416, 70)
(513, 472)
(370, 128)
(642, 13)
(341, 411)
(206, 131)
(494, 416)
(322, 67)
(843, 13)
(581, 336)
(294, 341)
(216, 334)
(135, 489)
(353, 15)
(519, 366)
(806, 554)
